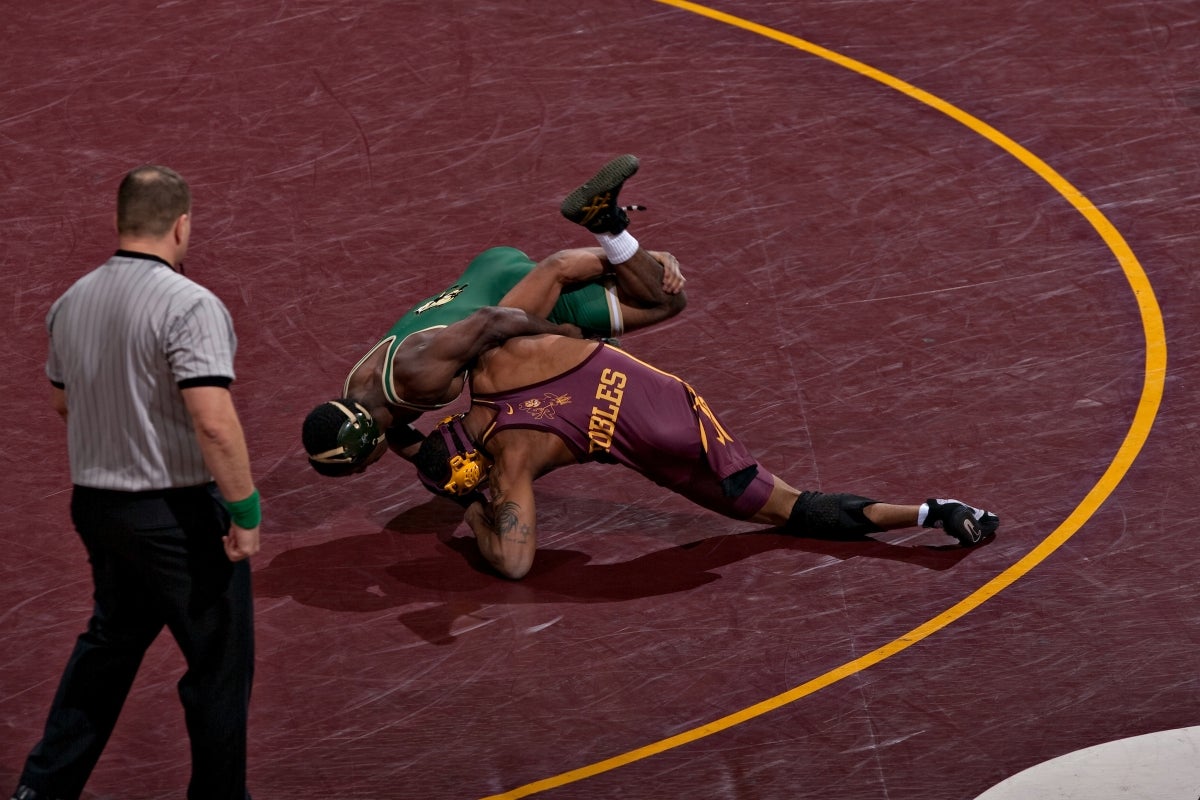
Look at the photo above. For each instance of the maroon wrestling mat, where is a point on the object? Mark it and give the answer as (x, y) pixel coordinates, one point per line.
(932, 249)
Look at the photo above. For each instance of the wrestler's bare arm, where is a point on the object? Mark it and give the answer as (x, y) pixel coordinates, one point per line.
(428, 366)
(649, 279)
(506, 529)
(538, 291)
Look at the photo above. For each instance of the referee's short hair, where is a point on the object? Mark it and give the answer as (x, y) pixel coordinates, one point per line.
(150, 199)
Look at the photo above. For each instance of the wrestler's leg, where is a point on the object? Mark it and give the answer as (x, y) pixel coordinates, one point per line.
(852, 516)
(649, 289)
(778, 508)
(646, 294)
(827, 514)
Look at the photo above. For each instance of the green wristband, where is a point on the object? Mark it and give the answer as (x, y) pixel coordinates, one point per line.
(246, 513)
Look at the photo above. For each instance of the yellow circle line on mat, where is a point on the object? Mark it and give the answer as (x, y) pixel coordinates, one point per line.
(1139, 429)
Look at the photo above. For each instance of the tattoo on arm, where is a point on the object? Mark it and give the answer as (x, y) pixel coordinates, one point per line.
(508, 523)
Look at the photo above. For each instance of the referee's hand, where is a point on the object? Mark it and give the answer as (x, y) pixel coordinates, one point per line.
(241, 543)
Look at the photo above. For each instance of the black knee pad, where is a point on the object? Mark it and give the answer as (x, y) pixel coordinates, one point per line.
(838, 516)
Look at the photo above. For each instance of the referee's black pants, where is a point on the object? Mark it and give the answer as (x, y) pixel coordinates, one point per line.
(157, 560)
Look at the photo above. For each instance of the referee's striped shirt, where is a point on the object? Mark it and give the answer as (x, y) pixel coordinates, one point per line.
(123, 340)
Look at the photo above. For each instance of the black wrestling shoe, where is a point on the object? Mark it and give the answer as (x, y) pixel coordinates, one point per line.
(594, 204)
(966, 523)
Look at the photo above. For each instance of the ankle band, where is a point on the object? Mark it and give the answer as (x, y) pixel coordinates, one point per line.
(619, 247)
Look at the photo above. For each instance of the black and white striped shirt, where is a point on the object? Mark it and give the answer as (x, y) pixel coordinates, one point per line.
(123, 340)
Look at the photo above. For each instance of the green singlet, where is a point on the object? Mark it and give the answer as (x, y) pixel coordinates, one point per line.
(593, 307)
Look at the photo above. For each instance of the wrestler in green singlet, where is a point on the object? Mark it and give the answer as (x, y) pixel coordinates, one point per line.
(593, 307)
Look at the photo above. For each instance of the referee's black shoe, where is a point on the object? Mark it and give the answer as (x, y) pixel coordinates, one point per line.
(25, 793)
(594, 204)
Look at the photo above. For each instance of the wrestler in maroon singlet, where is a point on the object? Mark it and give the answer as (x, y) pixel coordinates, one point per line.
(614, 408)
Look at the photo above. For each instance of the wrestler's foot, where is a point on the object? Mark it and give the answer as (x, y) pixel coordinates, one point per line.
(594, 204)
(966, 523)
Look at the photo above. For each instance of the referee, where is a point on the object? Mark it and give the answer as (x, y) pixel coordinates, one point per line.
(140, 361)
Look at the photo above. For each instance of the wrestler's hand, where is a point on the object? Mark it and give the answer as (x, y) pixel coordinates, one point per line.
(673, 279)
(570, 331)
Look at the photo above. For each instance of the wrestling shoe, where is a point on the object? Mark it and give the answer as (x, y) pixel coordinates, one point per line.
(966, 523)
(594, 204)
